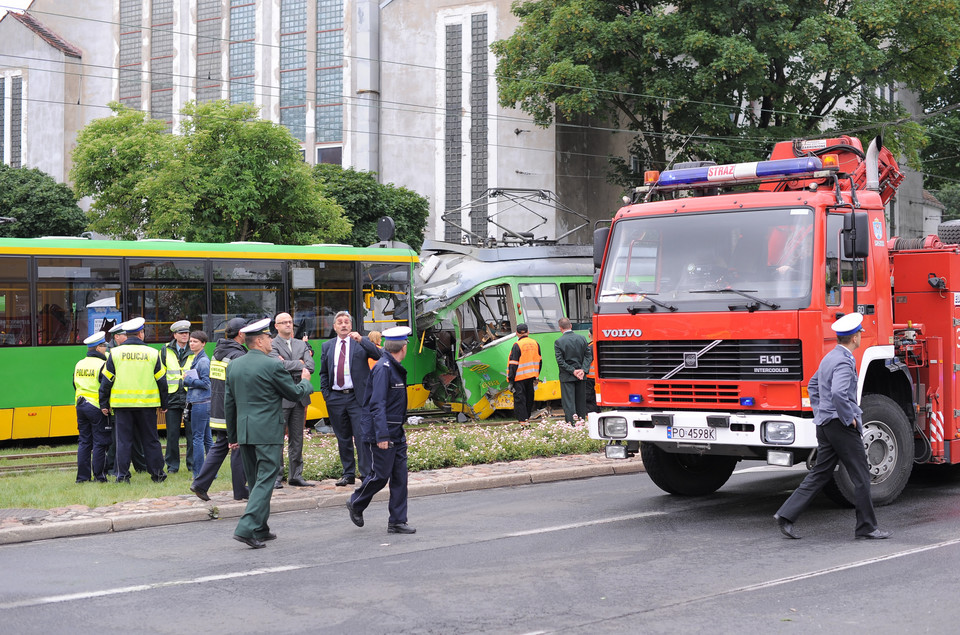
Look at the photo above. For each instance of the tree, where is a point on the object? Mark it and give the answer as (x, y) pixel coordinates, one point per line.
(726, 77)
(40, 205)
(227, 176)
(365, 201)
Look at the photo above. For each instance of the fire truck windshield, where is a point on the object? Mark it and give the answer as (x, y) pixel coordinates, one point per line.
(764, 257)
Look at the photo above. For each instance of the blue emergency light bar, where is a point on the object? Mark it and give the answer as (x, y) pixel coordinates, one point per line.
(735, 172)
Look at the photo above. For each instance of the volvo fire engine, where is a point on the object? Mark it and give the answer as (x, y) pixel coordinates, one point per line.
(716, 289)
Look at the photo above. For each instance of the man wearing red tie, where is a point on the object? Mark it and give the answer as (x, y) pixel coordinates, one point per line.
(344, 371)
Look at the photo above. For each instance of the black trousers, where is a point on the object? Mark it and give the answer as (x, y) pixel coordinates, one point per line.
(173, 418)
(836, 442)
(93, 443)
(389, 466)
(136, 452)
(523, 398)
(344, 411)
(211, 466)
(131, 422)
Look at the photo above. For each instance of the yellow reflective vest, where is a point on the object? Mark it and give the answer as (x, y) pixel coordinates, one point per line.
(86, 379)
(174, 370)
(134, 376)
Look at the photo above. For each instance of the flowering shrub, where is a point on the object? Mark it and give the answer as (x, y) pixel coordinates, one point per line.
(433, 447)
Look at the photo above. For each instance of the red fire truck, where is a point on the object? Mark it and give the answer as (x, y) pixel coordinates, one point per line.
(713, 309)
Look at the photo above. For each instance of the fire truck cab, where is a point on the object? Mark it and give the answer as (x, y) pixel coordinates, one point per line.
(713, 310)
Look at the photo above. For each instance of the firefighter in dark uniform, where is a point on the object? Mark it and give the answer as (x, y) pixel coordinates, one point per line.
(228, 348)
(253, 407)
(91, 422)
(381, 428)
(134, 385)
(523, 370)
(177, 359)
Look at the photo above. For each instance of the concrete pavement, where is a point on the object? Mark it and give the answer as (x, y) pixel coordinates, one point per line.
(77, 520)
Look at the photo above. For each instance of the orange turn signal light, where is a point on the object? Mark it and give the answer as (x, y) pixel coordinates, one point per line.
(650, 177)
(830, 161)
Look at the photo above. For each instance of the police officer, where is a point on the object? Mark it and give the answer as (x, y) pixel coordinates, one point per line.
(523, 370)
(118, 337)
(381, 428)
(253, 408)
(228, 348)
(134, 385)
(838, 417)
(177, 358)
(91, 422)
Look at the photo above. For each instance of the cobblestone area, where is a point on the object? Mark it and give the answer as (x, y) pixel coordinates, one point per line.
(29, 524)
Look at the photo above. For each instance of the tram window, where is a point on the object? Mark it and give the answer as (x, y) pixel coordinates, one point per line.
(78, 269)
(162, 304)
(247, 270)
(386, 295)
(318, 291)
(541, 307)
(484, 318)
(14, 302)
(76, 297)
(173, 269)
(237, 300)
(579, 300)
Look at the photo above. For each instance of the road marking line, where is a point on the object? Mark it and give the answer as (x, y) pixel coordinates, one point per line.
(56, 599)
(588, 523)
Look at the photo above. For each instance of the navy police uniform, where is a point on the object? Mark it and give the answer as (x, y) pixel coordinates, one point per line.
(384, 411)
(91, 422)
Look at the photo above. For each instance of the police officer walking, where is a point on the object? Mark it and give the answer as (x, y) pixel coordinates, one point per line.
(838, 417)
(228, 348)
(523, 369)
(253, 407)
(91, 422)
(177, 358)
(134, 385)
(381, 428)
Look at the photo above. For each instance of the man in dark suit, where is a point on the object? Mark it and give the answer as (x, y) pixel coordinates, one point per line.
(574, 356)
(344, 372)
(295, 355)
(253, 409)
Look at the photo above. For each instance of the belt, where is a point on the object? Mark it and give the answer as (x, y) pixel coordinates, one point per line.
(345, 391)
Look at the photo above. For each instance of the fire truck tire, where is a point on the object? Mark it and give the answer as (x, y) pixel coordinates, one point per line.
(888, 441)
(949, 232)
(686, 474)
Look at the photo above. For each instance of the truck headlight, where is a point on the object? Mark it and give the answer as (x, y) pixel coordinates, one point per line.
(778, 432)
(613, 427)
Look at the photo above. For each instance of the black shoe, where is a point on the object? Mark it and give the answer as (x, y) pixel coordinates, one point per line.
(278, 485)
(786, 527)
(400, 528)
(169, 471)
(270, 536)
(876, 534)
(101, 480)
(299, 482)
(355, 516)
(201, 493)
(123, 479)
(83, 480)
(346, 480)
(159, 478)
(252, 542)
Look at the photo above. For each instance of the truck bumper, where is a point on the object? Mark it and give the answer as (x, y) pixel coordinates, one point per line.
(779, 439)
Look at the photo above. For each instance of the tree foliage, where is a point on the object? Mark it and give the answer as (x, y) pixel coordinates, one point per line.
(40, 205)
(365, 201)
(227, 176)
(727, 76)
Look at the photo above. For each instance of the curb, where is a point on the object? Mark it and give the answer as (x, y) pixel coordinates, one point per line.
(70, 528)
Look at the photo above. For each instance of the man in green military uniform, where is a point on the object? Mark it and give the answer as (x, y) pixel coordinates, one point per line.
(574, 357)
(256, 386)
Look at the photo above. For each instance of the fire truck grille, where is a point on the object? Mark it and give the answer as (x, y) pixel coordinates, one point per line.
(700, 360)
(695, 393)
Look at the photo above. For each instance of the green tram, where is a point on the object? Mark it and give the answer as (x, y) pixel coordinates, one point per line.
(54, 292)
(469, 301)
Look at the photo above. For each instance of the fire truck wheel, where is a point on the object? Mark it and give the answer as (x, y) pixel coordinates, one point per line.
(888, 441)
(686, 474)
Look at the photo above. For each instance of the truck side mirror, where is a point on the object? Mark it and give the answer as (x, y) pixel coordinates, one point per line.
(599, 244)
(856, 235)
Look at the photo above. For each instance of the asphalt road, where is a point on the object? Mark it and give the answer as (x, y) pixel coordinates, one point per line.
(609, 554)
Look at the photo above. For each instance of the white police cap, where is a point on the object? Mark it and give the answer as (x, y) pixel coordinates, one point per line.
(180, 326)
(96, 339)
(397, 333)
(116, 328)
(133, 326)
(257, 328)
(848, 324)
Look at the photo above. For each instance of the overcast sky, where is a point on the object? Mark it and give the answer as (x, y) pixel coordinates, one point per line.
(12, 4)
